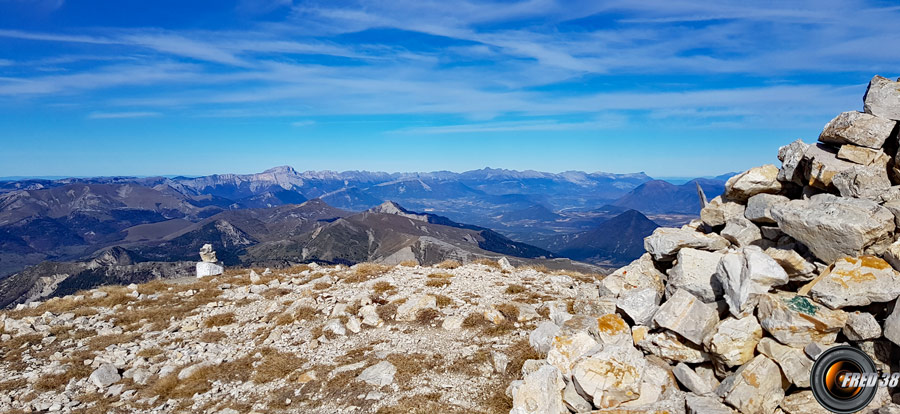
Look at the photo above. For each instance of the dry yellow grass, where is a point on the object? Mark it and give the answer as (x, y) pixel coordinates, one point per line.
(275, 365)
(515, 289)
(509, 311)
(365, 271)
(221, 319)
(382, 287)
(448, 264)
(409, 263)
(51, 382)
(98, 343)
(442, 300)
(427, 316)
(488, 262)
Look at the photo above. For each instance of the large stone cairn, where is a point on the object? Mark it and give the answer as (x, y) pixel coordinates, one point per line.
(727, 314)
(208, 265)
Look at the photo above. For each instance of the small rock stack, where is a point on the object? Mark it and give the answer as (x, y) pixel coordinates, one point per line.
(209, 264)
(727, 314)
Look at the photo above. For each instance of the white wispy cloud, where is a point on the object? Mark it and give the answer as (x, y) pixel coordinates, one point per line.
(122, 115)
(494, 60)
(304, 123)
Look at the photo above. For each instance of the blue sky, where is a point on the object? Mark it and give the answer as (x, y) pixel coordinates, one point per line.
(671, 88)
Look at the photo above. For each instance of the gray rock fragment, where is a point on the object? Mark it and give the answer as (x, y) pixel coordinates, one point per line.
(688, 316)
(857, 128)
(882, 98)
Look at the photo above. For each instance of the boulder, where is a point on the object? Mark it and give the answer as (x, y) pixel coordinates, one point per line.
(657, 389)
(688, 316)
(857, 128)
(378, 375)
(541, 338)
(759, 207)
(833, 227)
(755, 388)
(741, 232)
(734, 341)
(863, 155)
(821, 164)
(205, 269)
(791, 157)
(589, 302)
(794, 264)
(565, 350)
(695, 272)
(668, 346)
(691, 380)
(757, 180)
(697, 404)
(575, 401)
(744, 275)
(861, 181)
(802, 402)
(882, 98)
(637, 275)
(639, 305)
(611, 376)
(892, 324)
(892, 255)
(855, 281)
(409, 310)
(540, 393)
(796, 320)
(717, 212)
(611, 329)
(794, 363)
(666, 242)
(104, 376)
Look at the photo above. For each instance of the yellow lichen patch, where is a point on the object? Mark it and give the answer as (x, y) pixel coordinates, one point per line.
(611, 324)
(751, 378)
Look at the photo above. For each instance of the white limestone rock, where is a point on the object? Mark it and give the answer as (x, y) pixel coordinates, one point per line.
(378, 375)
(857, 128)
(759, 207)
(755, 388)
(565, 350)
(667, 345)
(794, 363)
(741, 232)
(540, 393)
(695, 272)
(795, 265)
(104, 376)
(757, 180)
(666, 242)
(746, 274)
(882, 98)
(796, 321)
(734, 341)
(692, 381)
(856, 281)
(688, 316)
(833, 227)
(862, 155)
(541, 338)
(612, 376)
(697, 404)
(718, 211)
(791, 156)
(892, 324)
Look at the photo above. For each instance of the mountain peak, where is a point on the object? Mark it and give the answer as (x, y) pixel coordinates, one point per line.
(389, 207)
(282, 169)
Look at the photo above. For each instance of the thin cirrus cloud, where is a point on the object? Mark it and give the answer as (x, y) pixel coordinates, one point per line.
(476, 61)
(122, 115)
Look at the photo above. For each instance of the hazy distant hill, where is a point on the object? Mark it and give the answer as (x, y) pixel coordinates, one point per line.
(663, 197)
(614, 242)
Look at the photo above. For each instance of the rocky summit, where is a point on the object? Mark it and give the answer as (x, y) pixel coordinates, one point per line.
(723, 315)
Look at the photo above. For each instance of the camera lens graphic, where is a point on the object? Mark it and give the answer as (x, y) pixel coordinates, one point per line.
(830, 370)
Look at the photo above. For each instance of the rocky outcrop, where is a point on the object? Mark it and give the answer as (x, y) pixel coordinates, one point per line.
(784, 264)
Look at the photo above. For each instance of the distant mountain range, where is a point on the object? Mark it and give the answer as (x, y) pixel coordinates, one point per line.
(283, 216)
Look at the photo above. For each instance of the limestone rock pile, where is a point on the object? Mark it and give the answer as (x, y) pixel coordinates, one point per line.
(727, 314)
